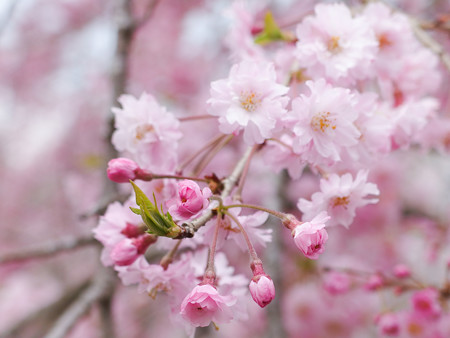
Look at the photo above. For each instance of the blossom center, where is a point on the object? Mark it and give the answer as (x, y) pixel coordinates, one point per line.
(250, 101)
(383, 41)
(144, 129)
(341, 202)
(333, 44)
(322, 121)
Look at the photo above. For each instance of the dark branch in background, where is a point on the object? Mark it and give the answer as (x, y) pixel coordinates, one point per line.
(100, 289)
(48, 249)
(38, 321)
(273, 258)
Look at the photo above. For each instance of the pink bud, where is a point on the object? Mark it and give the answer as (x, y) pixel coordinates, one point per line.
(262, 290)
(122, 170)
(143, 242)
(132, 230)
(310, 237)
(124, 252)
(129, 249)
(401, 271)
(374, 283)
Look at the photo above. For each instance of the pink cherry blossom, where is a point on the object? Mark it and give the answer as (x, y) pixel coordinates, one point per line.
(239, 38)
(250, 99)
(340, 196)
(147, 131)
(109, 231)
(279, 155)
(336, 283)
(189, 200)
(310, 237)
(204, 304)
(262, 290)
(426, 303)
(121, 170)
(334, 45)
(323, 122)
(388, 324)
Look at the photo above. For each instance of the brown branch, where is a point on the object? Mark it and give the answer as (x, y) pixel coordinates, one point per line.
(48, 249)
(38, 321)
(100, 289)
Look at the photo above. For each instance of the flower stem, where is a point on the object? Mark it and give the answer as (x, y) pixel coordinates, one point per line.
(211, 154)
(210, 144)
(168, 258)
(238, 192)
(210, 275)
(251, 249)
(275, 213)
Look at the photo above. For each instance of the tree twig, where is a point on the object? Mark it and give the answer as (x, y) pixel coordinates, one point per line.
(48, 249)
(43, 316)
(99, 290)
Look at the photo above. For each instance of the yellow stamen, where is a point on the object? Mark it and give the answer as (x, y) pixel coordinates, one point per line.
(250, 101)
(142, 130)
(322, 121)
(333, 44)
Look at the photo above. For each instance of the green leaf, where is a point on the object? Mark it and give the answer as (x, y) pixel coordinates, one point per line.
(157, 223)
(271, 31)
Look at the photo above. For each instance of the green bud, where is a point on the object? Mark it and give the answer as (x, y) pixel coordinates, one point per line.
(157, 223)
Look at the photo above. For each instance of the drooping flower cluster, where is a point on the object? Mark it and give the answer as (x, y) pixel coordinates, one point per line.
(340, 110)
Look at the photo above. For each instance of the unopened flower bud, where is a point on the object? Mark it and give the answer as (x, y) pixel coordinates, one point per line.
(262, 289)
(401, 271)
(310, 237)
(132, 231)
(375, 282)
(122, 170)
(129, 249)
(124, 252)
(261, 286)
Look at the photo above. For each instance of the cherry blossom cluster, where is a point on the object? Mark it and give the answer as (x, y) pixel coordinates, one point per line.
(330, 96)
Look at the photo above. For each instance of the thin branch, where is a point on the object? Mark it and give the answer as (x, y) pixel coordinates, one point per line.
(48, 249)
(99, 290)
(43, 316)
(207, 158)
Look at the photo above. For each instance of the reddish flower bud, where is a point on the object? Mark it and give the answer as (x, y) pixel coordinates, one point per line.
(122, 170)
(124, 252)
(262, 289)
(401, 271)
